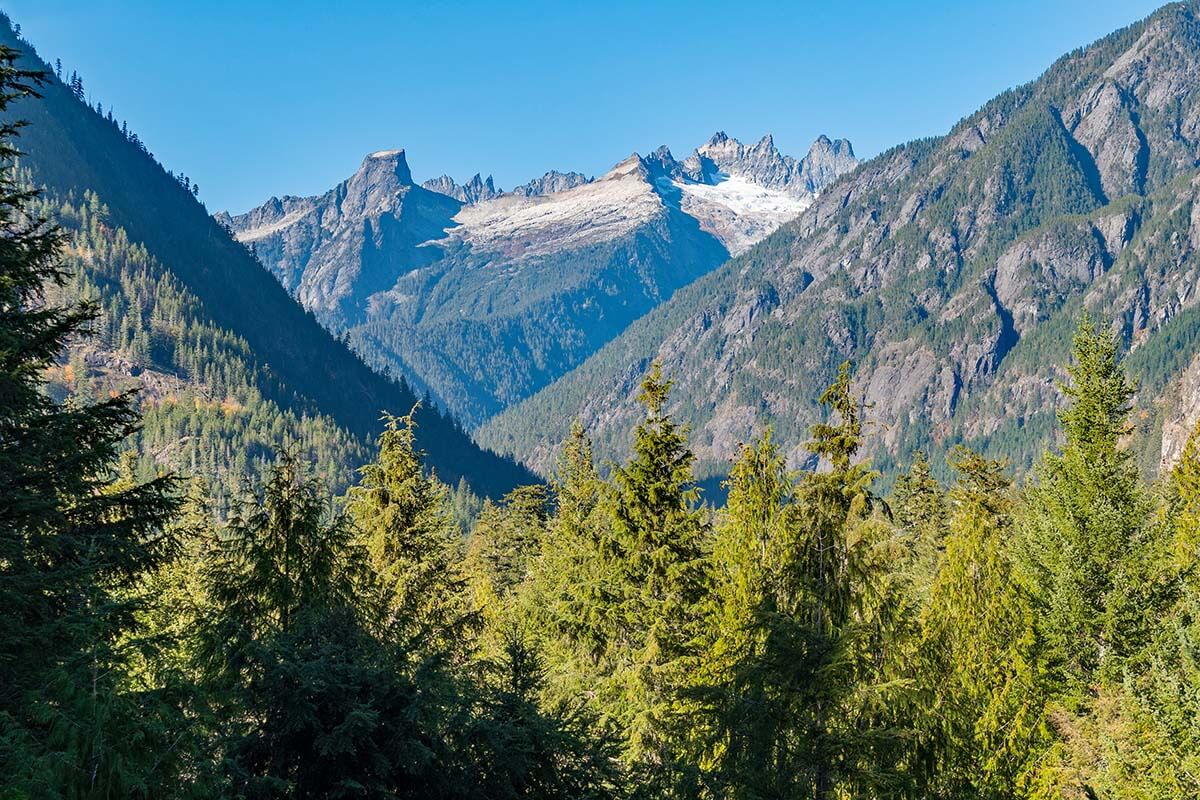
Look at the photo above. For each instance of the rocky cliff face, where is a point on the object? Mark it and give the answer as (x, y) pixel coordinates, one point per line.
(334, 251)
(553, 181)
(482, 296)
(949, 270)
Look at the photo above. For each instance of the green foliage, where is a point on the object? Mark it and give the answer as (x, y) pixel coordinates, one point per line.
(406, 523)
(76, 539)
(606, 637)
(982, 699)
(1088, 518)
(209, 406)
(660, 581)
(72, 151)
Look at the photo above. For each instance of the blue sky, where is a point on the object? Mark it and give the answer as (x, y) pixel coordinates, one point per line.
(253, 99)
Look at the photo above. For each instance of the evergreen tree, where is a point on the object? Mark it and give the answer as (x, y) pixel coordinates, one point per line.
(660, 583)
(503, 543)
(74, 542)
(854, 608)
(982, 703)
(571, 587)
(412, 542)
(1088, 523)
(755, 681)
(521, 751)
(310, 704)
(918, 504)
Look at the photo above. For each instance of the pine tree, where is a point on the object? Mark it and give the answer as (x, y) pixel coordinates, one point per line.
(74, 543)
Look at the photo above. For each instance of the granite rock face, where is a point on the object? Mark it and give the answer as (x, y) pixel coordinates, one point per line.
(553, 181)
(333, 251)
(763, 164)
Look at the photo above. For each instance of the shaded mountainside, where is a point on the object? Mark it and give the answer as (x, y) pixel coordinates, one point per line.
(950, 270)
(485, 296)
(284, 357)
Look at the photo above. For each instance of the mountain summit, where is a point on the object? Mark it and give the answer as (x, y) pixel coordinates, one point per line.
(763, 164)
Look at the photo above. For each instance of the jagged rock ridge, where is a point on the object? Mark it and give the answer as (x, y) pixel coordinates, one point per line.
(481, 296)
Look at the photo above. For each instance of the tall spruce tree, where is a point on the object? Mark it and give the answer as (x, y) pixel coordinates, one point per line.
(74, 542)
(571, 593)
(1141, 737)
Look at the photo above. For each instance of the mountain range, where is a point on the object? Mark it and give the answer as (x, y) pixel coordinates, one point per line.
(481, 297)
(951, 271)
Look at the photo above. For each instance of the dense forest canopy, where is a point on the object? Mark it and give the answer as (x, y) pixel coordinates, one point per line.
(237, 563)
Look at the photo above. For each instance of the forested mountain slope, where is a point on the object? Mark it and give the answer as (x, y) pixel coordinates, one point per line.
(158, 238)
(486, 296)
(949, 270)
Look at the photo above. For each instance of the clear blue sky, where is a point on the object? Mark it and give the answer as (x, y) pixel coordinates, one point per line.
(254, 98)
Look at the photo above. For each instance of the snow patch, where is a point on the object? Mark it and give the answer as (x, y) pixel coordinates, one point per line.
(541, 225)
(744, 197)
(738, 211)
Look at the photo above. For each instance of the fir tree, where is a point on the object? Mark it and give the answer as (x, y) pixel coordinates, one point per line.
(310, 703)
(1088, 519)
(503, 543)
(571, 585)
(918, 504)
(522, 751)
(660, 584)
(755, 680)
(407, 525)
(981, 702)
(852, 609)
